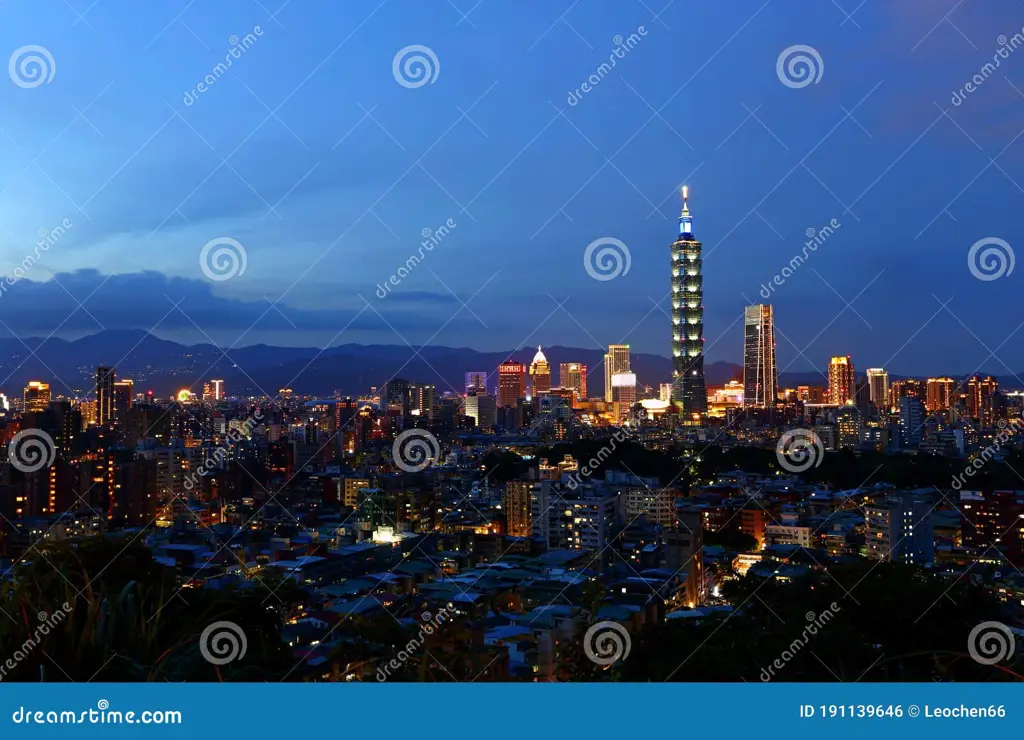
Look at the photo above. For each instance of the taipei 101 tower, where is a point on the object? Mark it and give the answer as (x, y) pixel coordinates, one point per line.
(687, 320)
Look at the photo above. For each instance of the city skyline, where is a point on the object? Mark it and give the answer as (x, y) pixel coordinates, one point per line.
(119, 252)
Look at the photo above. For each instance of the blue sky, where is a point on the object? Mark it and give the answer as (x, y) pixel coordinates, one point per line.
(309, 153)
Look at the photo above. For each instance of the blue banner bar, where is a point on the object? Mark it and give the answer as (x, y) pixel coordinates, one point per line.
(510, 710)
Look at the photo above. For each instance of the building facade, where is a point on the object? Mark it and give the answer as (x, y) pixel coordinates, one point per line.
(760, 373)
(688, 320)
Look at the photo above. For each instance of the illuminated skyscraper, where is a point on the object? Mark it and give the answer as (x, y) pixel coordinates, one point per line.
(616, 361)
(124, 390)
(511, 383)
(540, 373)
(217, 390)
(760, 373)
(624, 391)
(979, 398)
(687, 319)
(878, 387)
(840, 380)
(573, 375)
(37, 397)
(939, 395)
(105, 379)
(476, 383)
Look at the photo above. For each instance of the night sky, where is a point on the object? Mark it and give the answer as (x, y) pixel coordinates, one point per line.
(311, 155)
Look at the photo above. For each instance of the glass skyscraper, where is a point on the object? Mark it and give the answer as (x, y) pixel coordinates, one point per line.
(687, 319)
(760, 373)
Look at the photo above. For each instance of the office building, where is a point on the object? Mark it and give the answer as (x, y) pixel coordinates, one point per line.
(482, 409)
(124, 394)
(980, 393)
(878, 387)
(511, 383)
(688, 320)
(615, 361)
(397, 395)
(624, 391)
(573, 375)
(105, 379)
(939, 394)
(760, 373)
(476, 382)
(540, 373)
(840, 380)
(422, 397)
(900, 529)
(912, 416)
(217, 390)
(848, 427)
(36, 397)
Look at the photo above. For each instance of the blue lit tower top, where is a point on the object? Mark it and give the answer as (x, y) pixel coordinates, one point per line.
(688, 320)
(685, 220)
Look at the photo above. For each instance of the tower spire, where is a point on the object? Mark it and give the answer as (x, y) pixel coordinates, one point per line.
(685, 220)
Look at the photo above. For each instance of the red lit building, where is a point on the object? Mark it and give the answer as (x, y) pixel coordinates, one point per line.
(511, 383)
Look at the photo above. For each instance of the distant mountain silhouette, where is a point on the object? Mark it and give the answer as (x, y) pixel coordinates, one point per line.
(165, 367)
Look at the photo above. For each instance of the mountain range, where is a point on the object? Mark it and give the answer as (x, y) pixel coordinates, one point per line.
(165, 366)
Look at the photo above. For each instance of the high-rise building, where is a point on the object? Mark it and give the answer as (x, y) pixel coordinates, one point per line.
(476, 383)
(624, 391)
(760, 373)
(980, 392)
(105, 379)
(37, 397)
(217, 390)
(616, 361)
(540, 373)
(573, 375)
(903, 389)
(900, 529)
(939, 395)
(878, 387)
(422, 398)
(848, 427)
(511, 383)
(482, 409)
(517, 504)
(912, 416)
(840, 380)
(397, 395)
(688, 319)
(124, 392)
